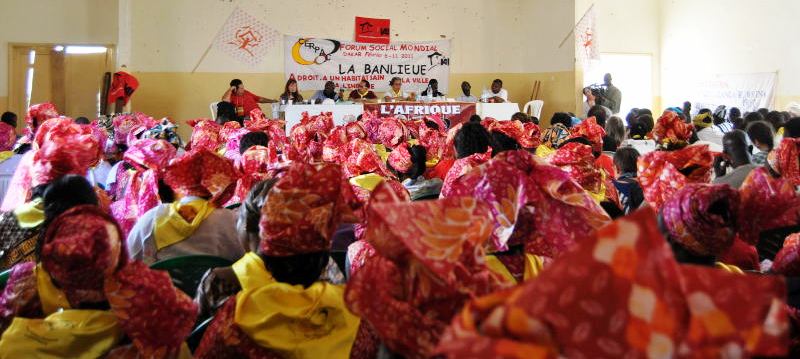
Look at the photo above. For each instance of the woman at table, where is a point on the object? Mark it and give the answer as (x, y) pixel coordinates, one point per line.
(396, 93)
(290, 92)
(362, 93)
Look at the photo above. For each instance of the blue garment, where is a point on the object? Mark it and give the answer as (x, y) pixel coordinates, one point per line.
(630, 191)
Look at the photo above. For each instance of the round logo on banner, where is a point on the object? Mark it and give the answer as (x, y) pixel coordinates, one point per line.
(310, 51)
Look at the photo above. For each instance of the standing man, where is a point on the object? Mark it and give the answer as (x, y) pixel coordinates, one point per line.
(466, 87)
(613, 96)
(328, 93)
(497, 93)
(244, 101)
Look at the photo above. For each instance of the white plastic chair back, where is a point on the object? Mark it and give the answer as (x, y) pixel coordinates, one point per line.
(213, 108)
(535, 108)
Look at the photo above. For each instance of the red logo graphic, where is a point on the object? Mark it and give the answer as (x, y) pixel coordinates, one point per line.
(247, 38)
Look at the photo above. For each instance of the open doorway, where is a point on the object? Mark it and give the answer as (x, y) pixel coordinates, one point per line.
(632, 74)
(69, 76)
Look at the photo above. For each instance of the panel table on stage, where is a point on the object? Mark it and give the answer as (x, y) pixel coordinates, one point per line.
(498, 111)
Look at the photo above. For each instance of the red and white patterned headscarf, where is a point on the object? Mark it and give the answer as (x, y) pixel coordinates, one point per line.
(203, 173)
(303, 209)
(84, 253)
(618, 294)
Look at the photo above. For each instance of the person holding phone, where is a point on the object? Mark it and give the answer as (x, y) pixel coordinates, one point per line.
(243, 101)
(735, 156)
(396, 92)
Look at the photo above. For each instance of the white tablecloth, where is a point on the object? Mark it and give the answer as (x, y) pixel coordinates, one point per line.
(497, 111)
(295, 112)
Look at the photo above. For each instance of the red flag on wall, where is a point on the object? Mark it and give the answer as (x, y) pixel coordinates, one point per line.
(374, 31)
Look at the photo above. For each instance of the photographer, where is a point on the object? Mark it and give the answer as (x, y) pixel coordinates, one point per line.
(735, 155)
(611, 97)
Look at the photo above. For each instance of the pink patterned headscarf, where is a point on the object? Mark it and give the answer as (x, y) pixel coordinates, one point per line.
(206, 135)
(8, 137)
(149, 159)
(254, 165)
(38, 114)
(68, 148)
(400, 158)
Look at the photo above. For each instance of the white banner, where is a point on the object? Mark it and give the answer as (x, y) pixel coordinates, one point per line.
(245, 38)
(748, 92)
(313, 61)
(586, 48)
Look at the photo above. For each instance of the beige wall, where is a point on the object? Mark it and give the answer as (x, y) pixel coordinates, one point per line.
(54, 21)
(515, 40)
(730, 36)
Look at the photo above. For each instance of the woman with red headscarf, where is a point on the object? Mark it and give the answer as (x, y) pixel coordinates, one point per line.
(196, 223)
(86, 299)
(66, 149)
(307, 318)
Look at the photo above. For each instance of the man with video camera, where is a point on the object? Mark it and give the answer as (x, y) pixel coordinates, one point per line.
(609, 95)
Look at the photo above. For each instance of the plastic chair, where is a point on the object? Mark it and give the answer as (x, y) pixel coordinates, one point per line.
(213, 108)
(535, 107)
(4, 278)
(187, 271)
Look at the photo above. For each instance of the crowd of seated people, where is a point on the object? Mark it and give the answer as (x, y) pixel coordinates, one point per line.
(657, 235)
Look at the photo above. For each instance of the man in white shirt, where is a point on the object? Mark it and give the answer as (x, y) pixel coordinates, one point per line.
(497, 93)
(396, 93)
(466, 87)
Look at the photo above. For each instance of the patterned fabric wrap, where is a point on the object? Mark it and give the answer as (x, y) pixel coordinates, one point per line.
(81, 248)
(400, 158)
(577, 160)
(703, 120)
(203, 174)
(335, 149)
(362, 158)
(590, 130)
(67, 148)
(38, 114)
(307, 138)
(127, 125)
(532, 203)
(8, 137)
(303, 210)
(231, 135)
(149, 159)
(254, 166)
(83, 252)
(766, 203)
(527, 135)
(670, 129)
(620, 294)
(787, 261)
(785, 160)
(164, 130)
(275, 129)
(461, 167)
(662, 173)
(392, 132)
(555, 135)
(433, 141)
(702, 218)
(206, 135)
(428, 262)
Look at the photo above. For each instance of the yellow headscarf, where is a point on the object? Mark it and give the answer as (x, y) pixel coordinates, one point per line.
(700, 120)
(30, 214)
(291, 320)
(180, 222)
(533, 266)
